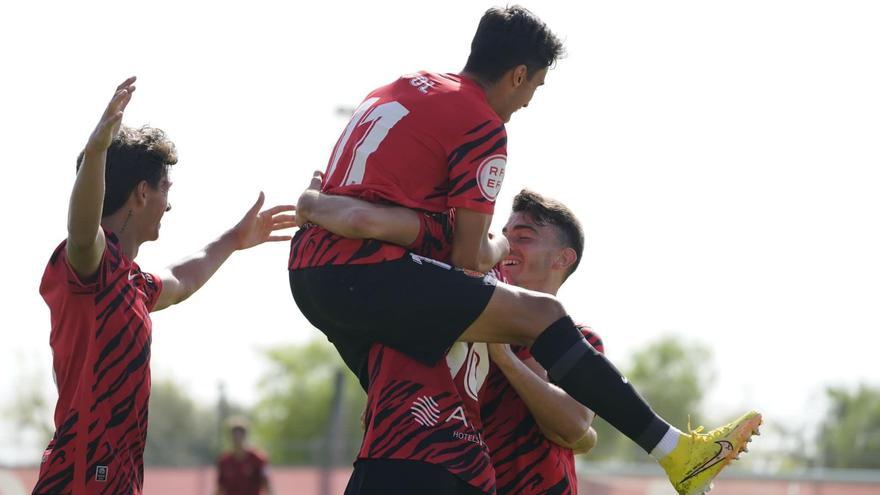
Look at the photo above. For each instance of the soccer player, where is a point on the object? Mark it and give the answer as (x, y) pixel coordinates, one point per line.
(423, 432)
(100, 302)
(532, 427)
(546, 245)
(243, 470)
(432, 142)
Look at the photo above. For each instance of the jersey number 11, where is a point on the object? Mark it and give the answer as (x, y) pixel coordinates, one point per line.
(380, 120)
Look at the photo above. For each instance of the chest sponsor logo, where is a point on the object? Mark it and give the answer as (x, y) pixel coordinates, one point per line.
(425, 411)
(490, 175)
(470, 437)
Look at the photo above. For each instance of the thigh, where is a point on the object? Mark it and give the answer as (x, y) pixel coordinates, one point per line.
(415, 305)
(514, 316)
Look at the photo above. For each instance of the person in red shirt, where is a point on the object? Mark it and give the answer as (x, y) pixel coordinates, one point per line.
(244, 469)
(423, 432)
(433, 142)
(532, 427)
(100, 302)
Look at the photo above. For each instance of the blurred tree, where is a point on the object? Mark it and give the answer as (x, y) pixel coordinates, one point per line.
(673, 377)
(849, 437)
(181, 432)
(293, 417)
(30, 410)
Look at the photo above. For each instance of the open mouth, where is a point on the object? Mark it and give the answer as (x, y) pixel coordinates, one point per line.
(509, 262)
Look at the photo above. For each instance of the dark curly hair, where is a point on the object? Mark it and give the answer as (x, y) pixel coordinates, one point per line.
(135, 155)
(547, 211)
(508, 37)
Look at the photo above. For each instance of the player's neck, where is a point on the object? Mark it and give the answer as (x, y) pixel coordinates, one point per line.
(493, 97)
(122, 228)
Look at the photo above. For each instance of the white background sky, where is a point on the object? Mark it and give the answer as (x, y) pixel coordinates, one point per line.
(723, 157)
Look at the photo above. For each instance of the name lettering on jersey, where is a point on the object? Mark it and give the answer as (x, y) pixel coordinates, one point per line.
(420, 82)
(490, 175)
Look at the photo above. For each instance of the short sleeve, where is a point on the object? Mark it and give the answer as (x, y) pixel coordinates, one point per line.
(435, 235)
(476, 167)
(152, 288)
(111, 261)
(593, 338)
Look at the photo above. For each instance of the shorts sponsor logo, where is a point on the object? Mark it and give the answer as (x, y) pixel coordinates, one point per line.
(425, 411)
(101, 473)
(421, 260)
(490, 175)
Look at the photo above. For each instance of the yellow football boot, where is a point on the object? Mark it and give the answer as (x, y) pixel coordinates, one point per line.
(699, 457)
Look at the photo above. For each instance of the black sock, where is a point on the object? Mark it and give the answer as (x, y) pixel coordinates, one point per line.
(585, 374)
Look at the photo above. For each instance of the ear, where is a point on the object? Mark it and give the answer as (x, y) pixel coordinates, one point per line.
(566, 258)
(518, 75)
(139, 194)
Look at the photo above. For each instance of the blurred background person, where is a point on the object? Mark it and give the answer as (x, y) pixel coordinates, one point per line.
(244, 469)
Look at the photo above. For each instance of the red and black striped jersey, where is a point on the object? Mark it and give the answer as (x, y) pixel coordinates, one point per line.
(525, 461)
(100, 340)
(429, 413)
(427, 141)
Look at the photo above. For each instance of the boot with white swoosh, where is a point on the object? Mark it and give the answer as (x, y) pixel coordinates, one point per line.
(699, 457)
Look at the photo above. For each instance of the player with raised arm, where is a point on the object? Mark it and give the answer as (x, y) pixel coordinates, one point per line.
(99, 302)
(432, 142)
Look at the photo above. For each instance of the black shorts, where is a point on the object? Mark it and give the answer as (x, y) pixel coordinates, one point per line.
(403, 477)
(414, 304)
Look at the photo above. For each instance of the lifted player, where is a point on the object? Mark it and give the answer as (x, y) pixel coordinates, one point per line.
(432, 142)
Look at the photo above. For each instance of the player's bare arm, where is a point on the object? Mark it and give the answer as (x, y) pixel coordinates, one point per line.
(562, 419)
(355, 218)
(183, 279)
(472, 247)
(85, 238)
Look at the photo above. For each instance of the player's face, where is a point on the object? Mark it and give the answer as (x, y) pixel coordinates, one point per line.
(534, 248)
(156, 206)
(522, 94)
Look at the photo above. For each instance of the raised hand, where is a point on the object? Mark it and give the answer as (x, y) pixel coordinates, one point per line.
(257, 227)
(110, 122)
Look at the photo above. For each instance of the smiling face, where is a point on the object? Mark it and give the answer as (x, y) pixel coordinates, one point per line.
(538, 259)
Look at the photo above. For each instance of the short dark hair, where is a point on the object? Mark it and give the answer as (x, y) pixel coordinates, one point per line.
(508, 37)
(134, 155)
(547, 211)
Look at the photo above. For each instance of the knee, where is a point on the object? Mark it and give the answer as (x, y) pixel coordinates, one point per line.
(543, 309)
